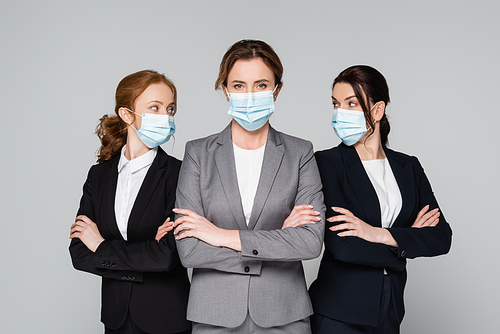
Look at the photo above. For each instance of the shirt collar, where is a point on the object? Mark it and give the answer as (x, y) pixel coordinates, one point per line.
(138, 163)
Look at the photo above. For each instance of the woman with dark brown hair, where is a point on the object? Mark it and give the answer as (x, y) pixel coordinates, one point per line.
(121, 229)
(382, 211)
(250, 208)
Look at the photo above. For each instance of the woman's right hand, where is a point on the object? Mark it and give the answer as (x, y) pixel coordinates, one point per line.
(424, 218)
(164, 228)
(301, 215)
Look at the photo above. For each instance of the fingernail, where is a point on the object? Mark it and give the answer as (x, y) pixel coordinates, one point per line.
(310, 206)
(316, 212)
(175, 209)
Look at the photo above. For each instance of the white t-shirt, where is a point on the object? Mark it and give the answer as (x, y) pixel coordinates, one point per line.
(131, 174)
(382, 178)
(248, 166)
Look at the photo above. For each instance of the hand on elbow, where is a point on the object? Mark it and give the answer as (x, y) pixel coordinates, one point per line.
(86, 230)
(426, 218)
(301, 215)
(355, 227)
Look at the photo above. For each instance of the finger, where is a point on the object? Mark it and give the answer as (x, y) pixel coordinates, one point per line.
(432, 220)
(340, 227)
(186, 234)
(341, 218)
(184, 227)
(302, 207)
(435, 222)
(79, 223)
(342, 211)
(348, 233)
(166, 220)
(182, 220)
(306, 222)
(429, 215)
(84, 219)
(308, 212)
(186, 212)
(422, 212)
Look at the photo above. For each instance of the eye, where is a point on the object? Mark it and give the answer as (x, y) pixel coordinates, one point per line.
(262, 86)
(155, 108)
(171, 111)
(352, 104)
(335, 105)
(238, 86)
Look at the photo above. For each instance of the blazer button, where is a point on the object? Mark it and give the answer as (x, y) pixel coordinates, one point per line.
(403, 253)
(124, 277)
(247, 269)
(255, 252)
(103, 263)
(132, 278)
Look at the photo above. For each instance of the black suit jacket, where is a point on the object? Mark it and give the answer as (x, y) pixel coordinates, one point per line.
(141, 274)
(349, 283)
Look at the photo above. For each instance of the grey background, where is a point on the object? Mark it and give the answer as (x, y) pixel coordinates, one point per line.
(61, 62)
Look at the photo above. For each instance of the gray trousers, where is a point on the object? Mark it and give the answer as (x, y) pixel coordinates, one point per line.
(248, 326)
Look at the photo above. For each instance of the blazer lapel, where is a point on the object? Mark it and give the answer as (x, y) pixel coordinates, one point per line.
(226, 168)
(155, 172)
(271, 163)
(405, 179)
(110, 181)
(361, 185)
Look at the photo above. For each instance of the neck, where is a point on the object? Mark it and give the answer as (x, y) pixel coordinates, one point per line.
(370, 146)
(249, 140)
(135, 147)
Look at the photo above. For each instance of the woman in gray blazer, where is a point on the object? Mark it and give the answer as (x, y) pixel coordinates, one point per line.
(250, 208)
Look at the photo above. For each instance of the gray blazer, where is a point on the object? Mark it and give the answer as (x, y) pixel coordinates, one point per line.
(266, 278)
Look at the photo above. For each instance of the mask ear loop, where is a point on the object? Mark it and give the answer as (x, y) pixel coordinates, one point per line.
(133, 113)
(375, 121)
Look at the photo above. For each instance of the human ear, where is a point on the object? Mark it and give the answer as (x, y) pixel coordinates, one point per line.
(379, 111)
(125, 115)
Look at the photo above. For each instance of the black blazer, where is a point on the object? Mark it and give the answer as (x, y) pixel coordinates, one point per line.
(141, 274)
(350, 277)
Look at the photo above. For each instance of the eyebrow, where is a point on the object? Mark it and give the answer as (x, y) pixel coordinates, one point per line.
(239, 81)
(156, 101)
(347, 98)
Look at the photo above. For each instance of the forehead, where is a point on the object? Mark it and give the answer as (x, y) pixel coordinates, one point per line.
(250, 70)
(342, 90)
(157, 91)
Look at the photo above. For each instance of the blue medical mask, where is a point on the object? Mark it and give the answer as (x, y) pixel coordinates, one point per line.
(155, 129)
(251, 110)
(349, 125)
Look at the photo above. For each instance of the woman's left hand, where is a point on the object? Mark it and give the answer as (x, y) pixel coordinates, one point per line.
(86, 230)
(355, 227)
(166, 227)
(193, 225)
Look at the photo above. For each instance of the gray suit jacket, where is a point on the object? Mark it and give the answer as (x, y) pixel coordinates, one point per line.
(266, 278)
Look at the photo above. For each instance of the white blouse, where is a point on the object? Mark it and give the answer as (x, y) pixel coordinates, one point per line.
(131, 174)
(382, 178)
(248, 166)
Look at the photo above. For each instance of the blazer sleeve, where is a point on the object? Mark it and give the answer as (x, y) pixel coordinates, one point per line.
(424, 241)
(350, 249)
(293, 243)
(119, 259)
(193, 252)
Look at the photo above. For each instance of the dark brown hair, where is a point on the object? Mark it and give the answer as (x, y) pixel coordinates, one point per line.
(112, 130)
(369, 85)
(249, 49)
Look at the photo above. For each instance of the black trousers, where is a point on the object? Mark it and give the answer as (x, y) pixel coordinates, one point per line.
(387, 323)
(129, 327)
